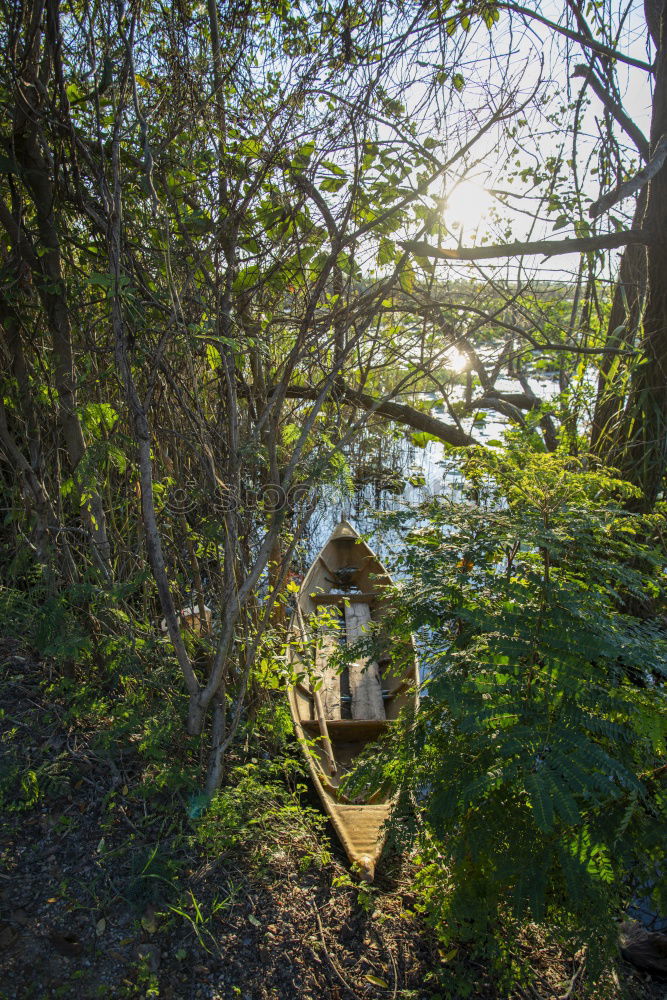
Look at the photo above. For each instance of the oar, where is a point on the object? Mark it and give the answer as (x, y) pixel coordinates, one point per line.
(319, 707)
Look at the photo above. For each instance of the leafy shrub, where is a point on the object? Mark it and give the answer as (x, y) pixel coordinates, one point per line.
(19, 785)
(122, 686)
(535, 758)
(259, 815)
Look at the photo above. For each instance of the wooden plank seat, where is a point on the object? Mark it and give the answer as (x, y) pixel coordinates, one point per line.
(328, 641)
(366, 698)
(349, 730)
(387, 695)
(365, 679)
(343, 598)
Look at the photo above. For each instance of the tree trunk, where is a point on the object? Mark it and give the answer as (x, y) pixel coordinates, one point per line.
(37, 175)
(645, 458)
(622, 331)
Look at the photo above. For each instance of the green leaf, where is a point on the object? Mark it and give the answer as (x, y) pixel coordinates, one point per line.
(99, 280)
(213, 357)
(490, 15)
(447, 956)
(302, 156)
(291, 433)
(333, 184)
(407, 278)
(386, 251)
(540, 800)
(422, 438)
(334, 168)
(458, 81)
(251, 148)
(247, 278)
(305, 152)
(74, 92)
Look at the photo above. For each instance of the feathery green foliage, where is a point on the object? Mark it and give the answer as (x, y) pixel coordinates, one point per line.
(535, 756)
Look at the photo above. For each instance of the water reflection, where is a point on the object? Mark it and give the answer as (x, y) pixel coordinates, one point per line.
(390, 473)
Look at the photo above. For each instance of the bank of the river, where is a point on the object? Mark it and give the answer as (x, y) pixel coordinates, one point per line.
(107, 891)
(111, 890)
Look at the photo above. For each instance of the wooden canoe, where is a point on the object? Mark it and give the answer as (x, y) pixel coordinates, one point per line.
(339, 715)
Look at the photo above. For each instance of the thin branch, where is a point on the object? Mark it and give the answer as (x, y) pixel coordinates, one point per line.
(615, 109)
(575, 36)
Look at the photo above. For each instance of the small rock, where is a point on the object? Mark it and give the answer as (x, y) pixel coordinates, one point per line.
(149, 919)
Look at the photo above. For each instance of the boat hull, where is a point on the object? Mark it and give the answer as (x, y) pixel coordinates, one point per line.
(337, 714)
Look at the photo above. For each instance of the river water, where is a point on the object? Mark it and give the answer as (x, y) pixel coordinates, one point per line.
(392, 473)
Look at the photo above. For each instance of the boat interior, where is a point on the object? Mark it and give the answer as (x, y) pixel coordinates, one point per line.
(340, 597)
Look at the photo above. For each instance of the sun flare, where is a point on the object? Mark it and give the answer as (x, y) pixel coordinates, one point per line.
(457, 361)
(468, 206)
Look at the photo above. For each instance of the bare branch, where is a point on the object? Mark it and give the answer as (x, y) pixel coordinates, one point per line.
(400, 412)
(550, 248)
(584, 40)
(614, 108)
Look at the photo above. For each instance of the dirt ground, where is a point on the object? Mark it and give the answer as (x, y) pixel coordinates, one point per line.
(103, 896)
